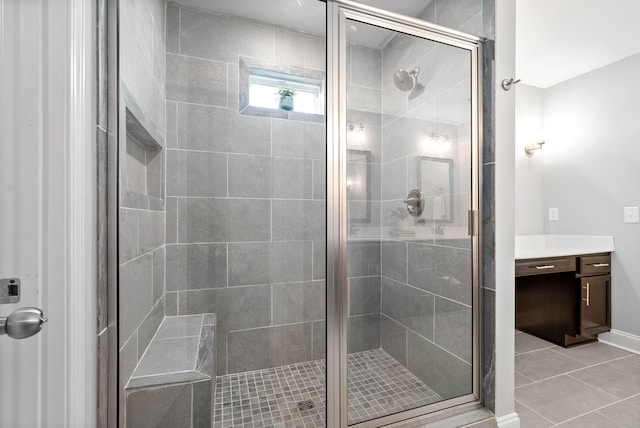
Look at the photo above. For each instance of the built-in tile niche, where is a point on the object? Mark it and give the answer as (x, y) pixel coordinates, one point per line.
(143, 175)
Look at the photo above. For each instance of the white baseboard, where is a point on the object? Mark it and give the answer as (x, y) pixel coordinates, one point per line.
(509, 421)
(620, 339)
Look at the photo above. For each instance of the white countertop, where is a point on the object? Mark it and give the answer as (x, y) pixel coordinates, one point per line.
(538, 246)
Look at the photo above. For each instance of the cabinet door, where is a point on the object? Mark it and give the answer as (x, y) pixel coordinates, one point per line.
(595, 307)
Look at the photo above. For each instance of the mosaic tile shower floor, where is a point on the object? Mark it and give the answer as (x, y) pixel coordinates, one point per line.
(378, 386)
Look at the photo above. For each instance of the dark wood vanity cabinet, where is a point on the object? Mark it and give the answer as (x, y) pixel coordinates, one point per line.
(565, 300)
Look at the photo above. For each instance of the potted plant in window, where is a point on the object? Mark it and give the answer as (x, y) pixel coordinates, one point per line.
(286, 98)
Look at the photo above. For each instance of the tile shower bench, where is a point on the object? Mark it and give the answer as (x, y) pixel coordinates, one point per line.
(174, 381)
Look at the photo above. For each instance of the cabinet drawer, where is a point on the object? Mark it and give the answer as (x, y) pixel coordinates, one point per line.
(595, 265)
(543, 266)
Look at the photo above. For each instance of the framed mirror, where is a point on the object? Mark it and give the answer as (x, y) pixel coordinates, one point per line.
(435, 179)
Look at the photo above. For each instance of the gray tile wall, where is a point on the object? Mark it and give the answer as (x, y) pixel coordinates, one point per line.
(142, 252)
(142, 26)
(245, 223)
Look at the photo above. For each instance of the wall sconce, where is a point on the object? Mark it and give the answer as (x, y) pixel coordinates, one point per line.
(355, 126)
(439, 137)
(531, 148)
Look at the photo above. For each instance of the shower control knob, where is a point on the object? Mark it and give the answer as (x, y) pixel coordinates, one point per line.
(415, 202)
(22, 323)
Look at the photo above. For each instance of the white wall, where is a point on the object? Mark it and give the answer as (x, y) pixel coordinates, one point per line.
(504, 217)
(529, 207)
(592, 171)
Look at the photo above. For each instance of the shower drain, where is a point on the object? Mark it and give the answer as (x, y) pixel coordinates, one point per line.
(306, 405)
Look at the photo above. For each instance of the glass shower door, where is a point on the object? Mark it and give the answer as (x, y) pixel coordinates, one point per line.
(410, 153)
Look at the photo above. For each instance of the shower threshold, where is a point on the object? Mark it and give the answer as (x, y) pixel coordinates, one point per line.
(378, 386)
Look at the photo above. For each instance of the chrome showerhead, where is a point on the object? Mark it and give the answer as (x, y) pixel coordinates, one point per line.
(407, 80)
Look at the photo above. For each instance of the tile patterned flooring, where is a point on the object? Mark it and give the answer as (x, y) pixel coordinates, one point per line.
(378, 385)
(589, 386)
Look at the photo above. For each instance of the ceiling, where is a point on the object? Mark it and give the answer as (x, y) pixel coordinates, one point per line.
(557, 40)
(307, 15)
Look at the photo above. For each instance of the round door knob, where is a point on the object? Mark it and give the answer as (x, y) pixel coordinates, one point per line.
(24, 322)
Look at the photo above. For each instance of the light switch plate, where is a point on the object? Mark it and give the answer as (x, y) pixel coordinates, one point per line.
(631, 215)
(554, 214)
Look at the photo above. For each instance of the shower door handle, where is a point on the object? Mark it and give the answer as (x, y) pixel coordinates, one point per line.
(22, 323)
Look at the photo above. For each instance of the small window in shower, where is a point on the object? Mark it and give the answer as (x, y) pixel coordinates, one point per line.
(260, 83)
(265, 84)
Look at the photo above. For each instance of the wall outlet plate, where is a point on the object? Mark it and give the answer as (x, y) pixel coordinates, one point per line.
(631, 215)
(554, 214)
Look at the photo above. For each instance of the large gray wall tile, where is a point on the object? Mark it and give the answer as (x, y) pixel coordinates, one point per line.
(319, 340)
(447, 375)
(453, 67)
(292, 178)
(158, 273)
(298, 301)
(202, 405)
(394, 180)
(442, 270)
(364, 99)
(196, 266)
(127, 234)
(221, 354)
(363, 333)
(142, 71)
(298, 220)
(218, 129)
(166, 407)
(269, 262)
(408, 306)
(407, 133)
(363, 258)
(136, 294)
(233, 37)
(171, 138)
(319, 179)
(393, 339)
(269, 347)
(299, 49)
(196, 174)
(172, 30)
(149, 326)
(236, 308)
(250, 176)
(171, 221)
(394, 260)
(366, 67)
(299, 139)
(195, 80)
(364, 295)
(319, 259)
(223, 220)
(150, 230)
(453, 329)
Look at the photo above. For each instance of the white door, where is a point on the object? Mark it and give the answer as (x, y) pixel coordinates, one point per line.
(21, 204)
(37, 373)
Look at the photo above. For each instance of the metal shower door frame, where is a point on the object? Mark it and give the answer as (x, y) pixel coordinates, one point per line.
(338, 11)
